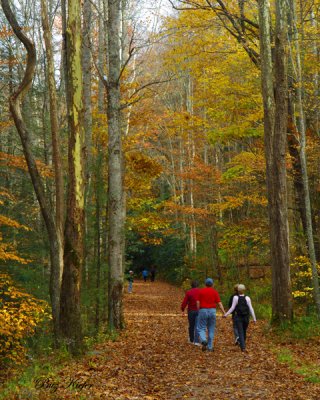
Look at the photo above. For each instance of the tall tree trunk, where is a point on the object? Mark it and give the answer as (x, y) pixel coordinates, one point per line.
(16, 101)
(97, 260)
(87, 105)
(303, 158)
(191, 156)
(70, 317)
(56, 279)
(275, 129)
(115, 169)
(86, 65)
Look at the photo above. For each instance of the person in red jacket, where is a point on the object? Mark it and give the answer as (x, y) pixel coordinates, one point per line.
(190, 301)
(208, 300)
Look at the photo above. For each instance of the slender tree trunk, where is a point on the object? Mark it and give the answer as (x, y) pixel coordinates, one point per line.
(56, 279)
(87, 119)
(70, 317)
(191, 156)
(86, 65)
(115, 168)
(97, 260)
(304, 173)
(15, 107)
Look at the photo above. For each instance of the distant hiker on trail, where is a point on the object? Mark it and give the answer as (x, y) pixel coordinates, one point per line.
(235, 329)
(145, 274)
(208, 300)
(130, 280)
(190, 301)
(242, 307)
(152, 274)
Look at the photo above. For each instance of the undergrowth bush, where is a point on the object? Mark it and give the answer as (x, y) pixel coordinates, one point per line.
(20, 314)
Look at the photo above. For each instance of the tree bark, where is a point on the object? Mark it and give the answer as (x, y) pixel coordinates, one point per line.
(115, 168)
(274, 91)
(15, 108)
(70, 318)
(59, 185)
(303, 158)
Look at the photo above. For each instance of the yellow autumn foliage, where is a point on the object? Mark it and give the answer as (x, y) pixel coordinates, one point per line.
(20, 314)
(302, 279)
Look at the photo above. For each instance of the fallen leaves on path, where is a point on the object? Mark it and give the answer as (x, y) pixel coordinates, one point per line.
(152, 360)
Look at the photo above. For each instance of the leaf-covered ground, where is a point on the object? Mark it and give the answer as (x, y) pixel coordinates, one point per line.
(152, 359)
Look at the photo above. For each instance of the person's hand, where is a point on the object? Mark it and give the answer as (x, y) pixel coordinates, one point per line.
(224, 316)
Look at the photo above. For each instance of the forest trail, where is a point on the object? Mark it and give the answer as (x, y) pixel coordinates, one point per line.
(153, 360)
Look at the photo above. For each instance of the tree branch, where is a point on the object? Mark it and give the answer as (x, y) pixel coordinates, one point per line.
(15, 108)
(129, 103)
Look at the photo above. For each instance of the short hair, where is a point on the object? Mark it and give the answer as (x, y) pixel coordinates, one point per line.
(194, 284)
(241, 288)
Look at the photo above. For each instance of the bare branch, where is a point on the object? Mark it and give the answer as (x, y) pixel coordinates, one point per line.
(193, 5)
(143, 87)
(102, 77)
(131, 52)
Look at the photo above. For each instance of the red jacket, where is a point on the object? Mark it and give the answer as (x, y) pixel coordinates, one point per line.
(190, 300)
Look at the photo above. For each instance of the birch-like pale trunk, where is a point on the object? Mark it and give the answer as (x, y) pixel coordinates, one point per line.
(70, 316)
(115, 169)
(316, 80)
(101, 53)
(274, 92)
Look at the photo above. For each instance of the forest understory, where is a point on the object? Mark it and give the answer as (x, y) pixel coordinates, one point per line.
(153, 360)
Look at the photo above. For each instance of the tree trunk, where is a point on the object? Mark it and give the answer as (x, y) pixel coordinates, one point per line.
(303, 159)
(70, 318)
(87, 119)
(55, 279)
(15, 107)
(115, 168)
(275, 129)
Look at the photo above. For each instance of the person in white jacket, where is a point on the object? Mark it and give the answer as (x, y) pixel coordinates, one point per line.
(242, 308)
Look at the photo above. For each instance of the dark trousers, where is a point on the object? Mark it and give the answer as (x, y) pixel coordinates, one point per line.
(242, 324)
(235, 329)
(192, 318)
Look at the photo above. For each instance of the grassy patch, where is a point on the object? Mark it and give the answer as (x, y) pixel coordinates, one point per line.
(309, 370)
(45, 366)
(299, 341)
(285, 356)
(22, 385)
(305, 327)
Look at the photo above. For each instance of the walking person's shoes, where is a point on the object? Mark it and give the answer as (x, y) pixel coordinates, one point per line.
(237, 342)
(204, 345)
(197, 344)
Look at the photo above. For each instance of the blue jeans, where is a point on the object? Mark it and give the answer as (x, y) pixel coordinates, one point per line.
(130, 287)
(193, 329)
(207, 320)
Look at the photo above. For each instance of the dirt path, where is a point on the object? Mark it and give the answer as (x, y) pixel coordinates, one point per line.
(153, 360)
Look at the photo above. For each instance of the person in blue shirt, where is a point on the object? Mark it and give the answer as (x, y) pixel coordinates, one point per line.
(145, 274)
